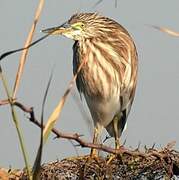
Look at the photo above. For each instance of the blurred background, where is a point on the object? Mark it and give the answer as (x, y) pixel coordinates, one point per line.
(154, 117)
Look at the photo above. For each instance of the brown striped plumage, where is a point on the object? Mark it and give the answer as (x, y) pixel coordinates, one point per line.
(108, 78)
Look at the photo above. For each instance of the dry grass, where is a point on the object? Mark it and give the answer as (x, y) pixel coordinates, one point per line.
(11, 97)
(25, 52)
(167, 31)
(56, 113)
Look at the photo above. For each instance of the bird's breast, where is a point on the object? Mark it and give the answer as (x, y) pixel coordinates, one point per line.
(99, 80)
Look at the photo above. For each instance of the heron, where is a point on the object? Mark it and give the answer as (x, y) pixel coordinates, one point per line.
(108, 78)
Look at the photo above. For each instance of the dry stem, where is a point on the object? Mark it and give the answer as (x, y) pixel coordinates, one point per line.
(25, 52)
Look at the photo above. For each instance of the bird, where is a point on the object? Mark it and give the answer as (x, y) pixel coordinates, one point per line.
(108, 77)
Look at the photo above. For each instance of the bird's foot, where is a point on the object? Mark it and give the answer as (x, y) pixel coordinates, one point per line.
(94, 155)
(111, 158)
(117, 155)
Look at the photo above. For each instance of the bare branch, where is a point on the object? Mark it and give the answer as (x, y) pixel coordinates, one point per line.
(84, 144)
(4, 102)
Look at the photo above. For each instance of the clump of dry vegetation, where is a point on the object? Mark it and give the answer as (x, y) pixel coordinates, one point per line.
(151, 164)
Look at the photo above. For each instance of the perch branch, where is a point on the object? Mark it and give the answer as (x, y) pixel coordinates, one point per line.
(76, 137)
(4, 102)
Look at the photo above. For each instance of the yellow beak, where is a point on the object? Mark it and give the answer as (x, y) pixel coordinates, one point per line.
(57, 30)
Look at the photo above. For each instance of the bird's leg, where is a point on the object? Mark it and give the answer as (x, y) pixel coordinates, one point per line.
(116, 132)
(116, 136)
(94, 152)
(97, 130)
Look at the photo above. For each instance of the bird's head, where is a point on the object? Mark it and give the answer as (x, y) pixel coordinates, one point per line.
(83, 26)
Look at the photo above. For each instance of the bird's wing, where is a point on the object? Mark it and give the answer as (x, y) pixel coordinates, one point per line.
(76, 62)
(129, 84)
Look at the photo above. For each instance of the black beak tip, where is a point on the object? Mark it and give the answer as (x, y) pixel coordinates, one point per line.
(45, 30)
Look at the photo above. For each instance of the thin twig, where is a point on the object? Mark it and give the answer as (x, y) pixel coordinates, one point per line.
(27, 43)
(115, 3)
(4, 102)
(23, 108)
(100, 1)
(166, 30)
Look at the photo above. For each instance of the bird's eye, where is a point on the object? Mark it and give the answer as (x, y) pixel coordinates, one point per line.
(78, 26)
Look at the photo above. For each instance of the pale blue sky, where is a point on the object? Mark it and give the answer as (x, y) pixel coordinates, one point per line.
(154, 117)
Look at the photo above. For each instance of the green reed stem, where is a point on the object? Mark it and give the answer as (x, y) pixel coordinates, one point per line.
(16, 122)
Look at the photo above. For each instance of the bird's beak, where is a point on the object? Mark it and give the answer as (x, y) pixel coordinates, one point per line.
(58, 30)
